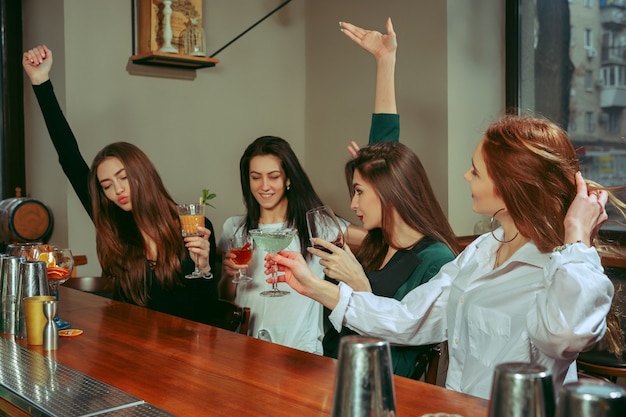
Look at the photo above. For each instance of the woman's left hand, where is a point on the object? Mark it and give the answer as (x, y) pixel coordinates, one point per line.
(199, 249)
(586, 213)
(341, 264)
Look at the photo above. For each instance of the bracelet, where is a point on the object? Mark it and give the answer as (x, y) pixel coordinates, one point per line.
(563, 247)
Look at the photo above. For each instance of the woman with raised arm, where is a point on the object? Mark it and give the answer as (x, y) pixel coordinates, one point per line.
(532, 290)
(138, 233)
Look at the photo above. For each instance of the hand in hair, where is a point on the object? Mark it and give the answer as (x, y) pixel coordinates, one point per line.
(341, 264)
(586, 213)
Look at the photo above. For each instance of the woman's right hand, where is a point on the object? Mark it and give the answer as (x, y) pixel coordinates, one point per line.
(230, 268)
(37, 63)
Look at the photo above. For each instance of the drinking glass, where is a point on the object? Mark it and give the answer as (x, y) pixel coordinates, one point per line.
(273, 241)
(27, 250)
(242, 247)
(191, 216)
(323, 224)
(59, 267)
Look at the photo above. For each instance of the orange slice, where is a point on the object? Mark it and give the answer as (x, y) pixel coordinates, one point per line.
(70, 332)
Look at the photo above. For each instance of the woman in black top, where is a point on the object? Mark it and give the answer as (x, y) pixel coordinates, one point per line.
(138, 233)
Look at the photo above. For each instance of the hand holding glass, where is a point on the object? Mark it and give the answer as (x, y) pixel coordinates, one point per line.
(273, 241)
(242, 247)
(191, 217)
(323, 224)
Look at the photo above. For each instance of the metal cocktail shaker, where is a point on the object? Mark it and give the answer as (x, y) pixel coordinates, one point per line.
(11, 293)
(591, 398)
(34, 281)
(522, 389)
(364, 380)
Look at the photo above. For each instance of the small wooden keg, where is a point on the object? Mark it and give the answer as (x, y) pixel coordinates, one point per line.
(24, 219)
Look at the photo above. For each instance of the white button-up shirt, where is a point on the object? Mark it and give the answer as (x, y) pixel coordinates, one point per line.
(536, 307)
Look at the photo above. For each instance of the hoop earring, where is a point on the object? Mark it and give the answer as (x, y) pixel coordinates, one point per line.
(493, 218)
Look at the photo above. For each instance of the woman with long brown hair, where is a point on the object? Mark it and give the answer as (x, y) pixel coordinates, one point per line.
(408, 236)
(532, 290)
(139, 240)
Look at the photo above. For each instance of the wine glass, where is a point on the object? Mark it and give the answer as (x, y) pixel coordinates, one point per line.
(191, 216)
(322, 223)
(242, 247)
(59, 267)
(273, 241)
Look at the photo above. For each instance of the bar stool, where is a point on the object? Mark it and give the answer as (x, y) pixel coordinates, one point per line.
(601, 363)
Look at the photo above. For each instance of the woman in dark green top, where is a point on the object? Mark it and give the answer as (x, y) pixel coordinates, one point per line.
(409, 238)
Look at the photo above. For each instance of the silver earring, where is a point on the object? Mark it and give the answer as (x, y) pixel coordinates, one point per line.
(492, 226)
(288, 187)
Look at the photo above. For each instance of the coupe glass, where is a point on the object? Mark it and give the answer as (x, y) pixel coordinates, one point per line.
(60, 264)
(273, 241)
(191, 216)
(323, 224)
(242, 247)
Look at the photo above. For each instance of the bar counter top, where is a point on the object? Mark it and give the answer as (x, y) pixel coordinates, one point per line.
(192, 369)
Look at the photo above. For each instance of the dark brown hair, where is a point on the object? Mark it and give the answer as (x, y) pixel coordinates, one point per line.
(400, 181)
(120, 244)
(300, 196)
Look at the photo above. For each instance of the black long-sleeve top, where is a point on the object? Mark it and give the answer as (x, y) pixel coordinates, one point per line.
(194, 298)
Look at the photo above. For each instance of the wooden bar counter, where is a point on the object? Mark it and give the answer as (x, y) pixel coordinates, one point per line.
(191, 369)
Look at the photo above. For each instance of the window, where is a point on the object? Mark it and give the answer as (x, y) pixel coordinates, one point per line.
(593, 75)
(588, 80)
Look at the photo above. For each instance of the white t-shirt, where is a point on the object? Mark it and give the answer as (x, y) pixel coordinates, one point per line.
(293, 320)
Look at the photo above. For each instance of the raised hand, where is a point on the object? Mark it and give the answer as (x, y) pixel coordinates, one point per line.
(374, 42)
(37, 63)
(353, 148)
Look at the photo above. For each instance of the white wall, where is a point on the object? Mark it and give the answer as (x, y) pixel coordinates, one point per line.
(294, 76)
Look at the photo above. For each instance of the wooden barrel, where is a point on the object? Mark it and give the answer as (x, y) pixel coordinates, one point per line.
(24, 219)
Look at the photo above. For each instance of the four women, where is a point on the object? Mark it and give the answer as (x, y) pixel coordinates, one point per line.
(531, 290)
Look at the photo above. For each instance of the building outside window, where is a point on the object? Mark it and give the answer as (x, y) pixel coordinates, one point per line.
(571, 68)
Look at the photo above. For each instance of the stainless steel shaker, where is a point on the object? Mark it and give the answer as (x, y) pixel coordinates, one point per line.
(591, 398)
(522, 389)
(34, 280)
(364, 380)
(11, 292)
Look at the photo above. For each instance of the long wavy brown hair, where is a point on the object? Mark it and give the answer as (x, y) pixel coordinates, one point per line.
(120, 244)
(400, 181)
(533, 164)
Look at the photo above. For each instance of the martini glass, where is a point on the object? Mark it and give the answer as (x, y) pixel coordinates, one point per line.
(273, 241)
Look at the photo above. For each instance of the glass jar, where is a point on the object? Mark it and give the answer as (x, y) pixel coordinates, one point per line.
(194, 38)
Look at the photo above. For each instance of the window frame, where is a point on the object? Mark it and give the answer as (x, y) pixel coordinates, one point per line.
(513, 84)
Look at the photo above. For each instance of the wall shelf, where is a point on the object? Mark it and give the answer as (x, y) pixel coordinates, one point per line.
(174, 60)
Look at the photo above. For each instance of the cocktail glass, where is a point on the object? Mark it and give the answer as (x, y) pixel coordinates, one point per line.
(191, 216)
(242, 247)
(273, 241)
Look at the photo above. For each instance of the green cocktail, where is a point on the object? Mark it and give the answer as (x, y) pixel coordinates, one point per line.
(273, 241)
